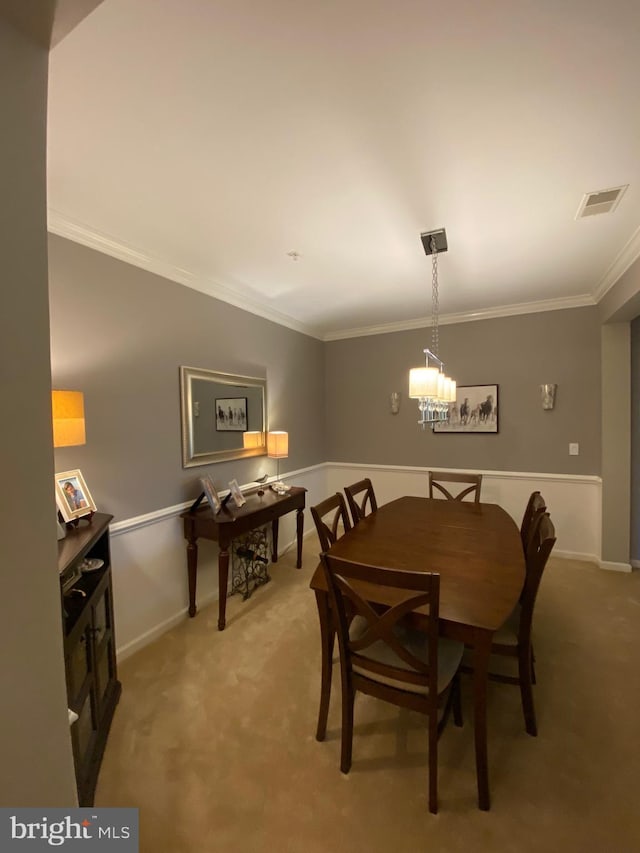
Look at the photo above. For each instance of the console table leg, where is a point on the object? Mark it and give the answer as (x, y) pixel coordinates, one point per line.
(274, 537)
(192, 570)
(299, 532)
(223, 578)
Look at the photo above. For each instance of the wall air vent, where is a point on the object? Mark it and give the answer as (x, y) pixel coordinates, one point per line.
(602, 201)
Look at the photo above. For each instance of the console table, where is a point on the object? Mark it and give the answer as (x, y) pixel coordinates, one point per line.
(225, 526)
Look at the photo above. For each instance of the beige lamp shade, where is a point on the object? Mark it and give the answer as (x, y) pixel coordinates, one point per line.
(277, 444)
(68, 418)
(251, 440)
(423, 382)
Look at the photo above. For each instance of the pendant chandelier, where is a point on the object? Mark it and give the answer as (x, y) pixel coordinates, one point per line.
(429, 384)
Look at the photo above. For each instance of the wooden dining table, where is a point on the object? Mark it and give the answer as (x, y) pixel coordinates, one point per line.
(475, 548)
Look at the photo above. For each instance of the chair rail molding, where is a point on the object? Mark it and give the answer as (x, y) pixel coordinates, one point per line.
(149, 556)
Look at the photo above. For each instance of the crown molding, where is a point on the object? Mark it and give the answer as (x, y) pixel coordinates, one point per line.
(629, 253)
(63, 226)
(581, 301)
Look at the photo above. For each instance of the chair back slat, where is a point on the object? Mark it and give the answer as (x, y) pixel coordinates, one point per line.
(359, 495)
(437, 478)
(328, 516)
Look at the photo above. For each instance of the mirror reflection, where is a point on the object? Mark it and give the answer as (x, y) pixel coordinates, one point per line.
(223, 416)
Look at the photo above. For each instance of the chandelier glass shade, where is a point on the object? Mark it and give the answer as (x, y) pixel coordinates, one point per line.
(433, 389)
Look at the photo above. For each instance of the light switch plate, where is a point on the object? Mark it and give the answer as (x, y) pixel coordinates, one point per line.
(574, 449)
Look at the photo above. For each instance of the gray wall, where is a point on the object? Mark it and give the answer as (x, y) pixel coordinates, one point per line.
(616, 450)
(517, 353)
(35, 748)
(119, 334)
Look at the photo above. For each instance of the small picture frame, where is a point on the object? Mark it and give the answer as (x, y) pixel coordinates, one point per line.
(231, 414)
(211, 493)
(236, 494)
(72, 495)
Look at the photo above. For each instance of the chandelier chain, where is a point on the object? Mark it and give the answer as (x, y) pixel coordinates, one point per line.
(435, 332)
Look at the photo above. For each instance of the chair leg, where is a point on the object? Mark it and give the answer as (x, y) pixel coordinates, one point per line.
(325, 685)
(347, 727)
(433, 763)
(327, 637)
(526, 691)
(457, 701)
(533, 669)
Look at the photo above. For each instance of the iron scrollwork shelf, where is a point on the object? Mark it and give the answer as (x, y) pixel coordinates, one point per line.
(250, 561)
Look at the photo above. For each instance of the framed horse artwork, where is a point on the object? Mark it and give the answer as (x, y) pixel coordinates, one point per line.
(474, 411)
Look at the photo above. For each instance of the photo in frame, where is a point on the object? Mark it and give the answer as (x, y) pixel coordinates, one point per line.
(211, 493)
(238, 498)
(231, 414)
(72, 495)
(475, 411)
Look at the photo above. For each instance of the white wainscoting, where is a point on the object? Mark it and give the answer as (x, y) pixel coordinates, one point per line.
(149, 552)
(148, 556)
(574, 501)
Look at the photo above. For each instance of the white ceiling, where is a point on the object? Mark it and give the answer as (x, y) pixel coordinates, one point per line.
(206, 139)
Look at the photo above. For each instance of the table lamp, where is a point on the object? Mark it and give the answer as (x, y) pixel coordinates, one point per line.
(67, 411)
(278, 448)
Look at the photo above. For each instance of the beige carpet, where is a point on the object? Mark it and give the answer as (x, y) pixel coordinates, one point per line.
(214, 741)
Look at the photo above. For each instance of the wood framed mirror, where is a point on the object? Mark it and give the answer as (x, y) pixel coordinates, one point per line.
(223, 415)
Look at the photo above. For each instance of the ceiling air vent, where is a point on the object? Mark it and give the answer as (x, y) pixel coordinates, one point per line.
(602, 201)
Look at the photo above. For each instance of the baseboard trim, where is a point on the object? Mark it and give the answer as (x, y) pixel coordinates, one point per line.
(124, 652)
(615, 567)
(575, 555)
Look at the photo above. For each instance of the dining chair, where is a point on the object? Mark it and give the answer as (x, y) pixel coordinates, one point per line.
(359, 495)
(382, 656)
(535, 505)
(513, 639)
(328, 529)
(436, 480)
(331, 519)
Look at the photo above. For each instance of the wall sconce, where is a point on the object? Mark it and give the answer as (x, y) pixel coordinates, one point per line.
(394, 402)
(548, 393)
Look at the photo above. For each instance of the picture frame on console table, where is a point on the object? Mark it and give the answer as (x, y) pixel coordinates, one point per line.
(211, 493)
(238, 498)
(475, 411)
(72, 495)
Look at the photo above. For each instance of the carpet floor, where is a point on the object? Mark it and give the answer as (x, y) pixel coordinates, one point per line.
(213, 739)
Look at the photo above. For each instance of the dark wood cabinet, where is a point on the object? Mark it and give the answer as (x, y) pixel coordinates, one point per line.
(93, 688)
